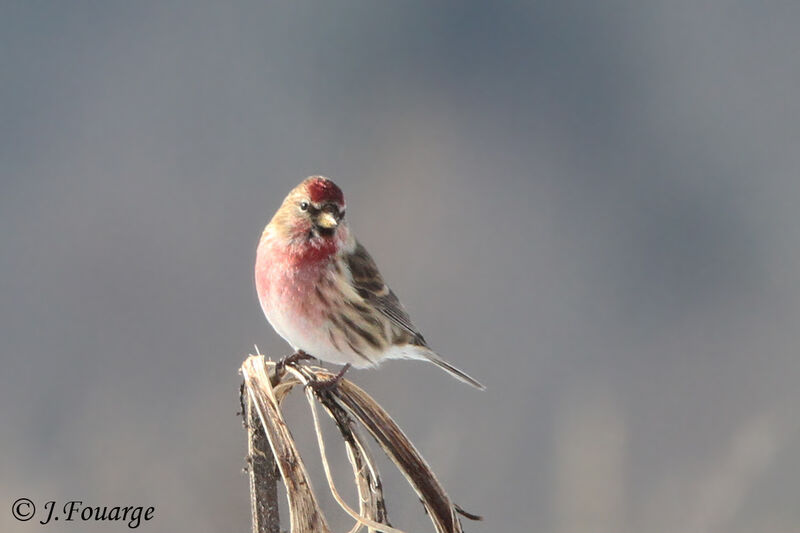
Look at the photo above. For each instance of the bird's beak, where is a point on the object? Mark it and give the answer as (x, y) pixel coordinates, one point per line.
(327, 220)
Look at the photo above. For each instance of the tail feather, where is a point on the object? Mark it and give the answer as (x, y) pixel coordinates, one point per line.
(453, 371)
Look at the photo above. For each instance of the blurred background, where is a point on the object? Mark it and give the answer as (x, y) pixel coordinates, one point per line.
(591, 207)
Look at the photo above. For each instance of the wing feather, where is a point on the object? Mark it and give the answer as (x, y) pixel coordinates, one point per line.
(369, 284)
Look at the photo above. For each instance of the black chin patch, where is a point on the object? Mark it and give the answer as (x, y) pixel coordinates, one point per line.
(325, 232)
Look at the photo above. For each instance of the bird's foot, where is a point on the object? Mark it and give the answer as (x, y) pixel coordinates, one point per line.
(296, 357)
(328, 385)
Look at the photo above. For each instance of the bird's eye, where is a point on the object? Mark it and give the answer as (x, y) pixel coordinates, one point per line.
(303, 206)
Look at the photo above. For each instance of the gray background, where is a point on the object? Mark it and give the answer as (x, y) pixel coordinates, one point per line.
(591, 207)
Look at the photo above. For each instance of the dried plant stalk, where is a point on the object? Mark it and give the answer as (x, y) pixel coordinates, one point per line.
(305, 515)
(368, 481)
(361, 518)
(262, 471)
(398, 447)
(349, 406)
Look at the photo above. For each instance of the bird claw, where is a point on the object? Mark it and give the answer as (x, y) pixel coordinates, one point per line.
(328, 385)
(296, 357)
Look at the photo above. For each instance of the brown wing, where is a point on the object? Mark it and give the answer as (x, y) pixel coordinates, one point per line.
(369, 284)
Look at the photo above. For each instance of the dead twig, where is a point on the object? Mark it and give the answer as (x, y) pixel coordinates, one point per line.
(349, 406)
(305, 515)
(262, 471)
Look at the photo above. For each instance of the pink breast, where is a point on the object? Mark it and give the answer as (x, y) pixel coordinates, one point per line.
(286, 285)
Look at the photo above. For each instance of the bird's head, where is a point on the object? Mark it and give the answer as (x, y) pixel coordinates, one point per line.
(313, 212)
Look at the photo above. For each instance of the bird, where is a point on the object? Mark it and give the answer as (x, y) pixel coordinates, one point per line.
(322, 292)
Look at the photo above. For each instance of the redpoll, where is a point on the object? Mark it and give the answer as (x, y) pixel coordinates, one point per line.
(323, 293)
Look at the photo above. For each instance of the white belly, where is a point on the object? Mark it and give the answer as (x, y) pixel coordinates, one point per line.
(314, 337)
